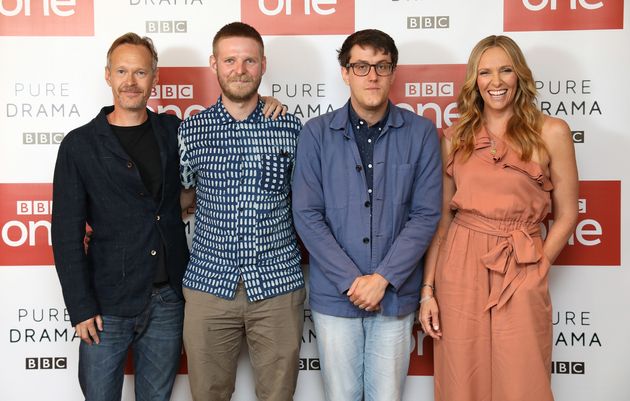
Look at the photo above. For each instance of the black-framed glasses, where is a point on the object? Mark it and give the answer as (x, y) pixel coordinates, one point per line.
(362, 69)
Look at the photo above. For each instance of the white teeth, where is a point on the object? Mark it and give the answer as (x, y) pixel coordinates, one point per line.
(498, 92)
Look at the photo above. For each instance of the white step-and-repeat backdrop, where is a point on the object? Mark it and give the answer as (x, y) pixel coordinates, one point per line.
(51, 81)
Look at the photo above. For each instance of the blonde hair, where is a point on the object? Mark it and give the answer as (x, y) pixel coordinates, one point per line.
(131, 38)
(523, 129)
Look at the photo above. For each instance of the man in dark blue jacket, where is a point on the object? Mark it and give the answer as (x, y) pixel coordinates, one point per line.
(119, 174)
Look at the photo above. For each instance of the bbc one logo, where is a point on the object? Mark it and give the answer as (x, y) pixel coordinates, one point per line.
(184, 91)
(47, 18)
(430, 91)
(299, 17)
(562, 15)
(596, 240)
(25, 211)
(47, 363)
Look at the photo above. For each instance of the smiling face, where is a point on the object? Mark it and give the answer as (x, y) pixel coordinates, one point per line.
(497, 81)
(239, 64)
(368, 94)
(131, 77)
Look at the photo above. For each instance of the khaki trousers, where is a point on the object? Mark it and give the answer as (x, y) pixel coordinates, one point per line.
(213, 332)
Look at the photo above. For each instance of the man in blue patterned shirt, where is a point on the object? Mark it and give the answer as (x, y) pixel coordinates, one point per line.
(244, 277)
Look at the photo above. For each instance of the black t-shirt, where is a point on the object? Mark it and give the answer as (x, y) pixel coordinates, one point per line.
(140, 144)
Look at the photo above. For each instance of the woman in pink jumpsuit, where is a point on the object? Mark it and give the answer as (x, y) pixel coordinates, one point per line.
(485, 297)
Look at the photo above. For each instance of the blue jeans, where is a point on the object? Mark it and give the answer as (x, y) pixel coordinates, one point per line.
(155, 337)
(363, 358)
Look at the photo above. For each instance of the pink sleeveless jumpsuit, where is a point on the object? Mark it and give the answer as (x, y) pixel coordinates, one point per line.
(491, 281)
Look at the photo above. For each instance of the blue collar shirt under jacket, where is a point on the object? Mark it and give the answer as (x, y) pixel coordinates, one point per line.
(241, 171)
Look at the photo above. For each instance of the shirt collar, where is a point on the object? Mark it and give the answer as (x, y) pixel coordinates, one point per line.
(357, 121)
(256, 116)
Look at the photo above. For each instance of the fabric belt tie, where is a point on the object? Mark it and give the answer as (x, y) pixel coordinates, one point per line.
(507, 260)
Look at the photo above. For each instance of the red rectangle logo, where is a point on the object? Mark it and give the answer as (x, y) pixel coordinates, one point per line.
(596, 240)
(430, 91)
(25, 211)
(46, 17)
(299, 17)
(184, 91)
(562, 15)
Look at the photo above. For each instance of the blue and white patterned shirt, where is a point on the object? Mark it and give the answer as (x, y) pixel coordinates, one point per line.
(243, 226)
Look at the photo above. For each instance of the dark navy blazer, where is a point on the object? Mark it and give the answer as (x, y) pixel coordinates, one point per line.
(97, 183)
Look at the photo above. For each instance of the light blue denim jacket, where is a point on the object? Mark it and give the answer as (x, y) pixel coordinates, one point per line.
(333, 219)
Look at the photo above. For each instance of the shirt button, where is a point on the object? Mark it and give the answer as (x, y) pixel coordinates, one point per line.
(369, 166)
(367, 203)
(153, 252)
(366, 240)
(369, 141)
(369, 190)
(157, 218)
(129, 164)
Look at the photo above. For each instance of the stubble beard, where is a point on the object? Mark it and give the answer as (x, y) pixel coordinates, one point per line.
(239, 96)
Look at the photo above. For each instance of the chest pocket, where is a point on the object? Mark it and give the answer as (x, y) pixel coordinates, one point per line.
(275, 171)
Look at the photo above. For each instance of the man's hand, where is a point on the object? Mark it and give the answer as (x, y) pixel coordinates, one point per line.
(273, 107)
(88, 329)
(86, 240)
(366, 292)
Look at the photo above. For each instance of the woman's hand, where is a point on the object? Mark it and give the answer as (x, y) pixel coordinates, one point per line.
(429, 318)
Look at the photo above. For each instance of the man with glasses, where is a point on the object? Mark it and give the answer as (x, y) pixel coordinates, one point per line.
(367, 193)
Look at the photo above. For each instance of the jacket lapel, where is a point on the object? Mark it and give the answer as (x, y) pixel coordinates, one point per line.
(161, 137)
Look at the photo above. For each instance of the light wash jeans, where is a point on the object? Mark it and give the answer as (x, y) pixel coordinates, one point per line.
(364, 358)
(155, 337)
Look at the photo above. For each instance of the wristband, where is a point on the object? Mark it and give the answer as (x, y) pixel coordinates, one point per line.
(428, 285)
(426, 298)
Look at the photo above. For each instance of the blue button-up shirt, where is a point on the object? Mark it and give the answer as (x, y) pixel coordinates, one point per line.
(365, 137)
(243, 228)
(344, 240)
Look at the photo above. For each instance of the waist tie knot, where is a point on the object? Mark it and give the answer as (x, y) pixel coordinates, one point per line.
(507, 259)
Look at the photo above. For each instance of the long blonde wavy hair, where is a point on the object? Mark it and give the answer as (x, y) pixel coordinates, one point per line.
(523, 129)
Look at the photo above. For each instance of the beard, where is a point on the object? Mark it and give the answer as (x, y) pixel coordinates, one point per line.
(240, 88)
